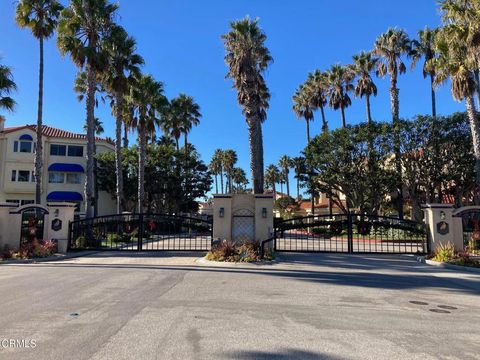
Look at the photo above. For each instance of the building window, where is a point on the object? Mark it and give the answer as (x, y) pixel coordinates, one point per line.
(74, 178)
(56, 178)
(23, 176)
(27, 202)
(74, 150)
(58, 150)
(23, 146)
(14, 175)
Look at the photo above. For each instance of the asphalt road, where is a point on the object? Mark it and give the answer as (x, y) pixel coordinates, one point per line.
(307, 306)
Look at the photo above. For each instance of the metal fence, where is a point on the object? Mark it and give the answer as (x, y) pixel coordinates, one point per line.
(137, 232)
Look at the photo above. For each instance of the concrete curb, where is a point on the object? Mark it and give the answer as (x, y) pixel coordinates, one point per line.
(56, 257)
(468, 269)
(224, 264)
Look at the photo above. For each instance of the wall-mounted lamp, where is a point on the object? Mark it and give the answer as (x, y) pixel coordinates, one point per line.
(56, 212)
(221, 212)
(264, 213)
(442, 215)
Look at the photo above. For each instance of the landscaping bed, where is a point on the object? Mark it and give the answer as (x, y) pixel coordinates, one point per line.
(230, 251)
(35, 249)
(446, 254)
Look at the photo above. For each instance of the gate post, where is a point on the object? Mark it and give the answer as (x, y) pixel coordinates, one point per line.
(440, 226)
(350, 233)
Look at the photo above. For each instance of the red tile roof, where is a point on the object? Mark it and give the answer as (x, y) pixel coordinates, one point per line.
(49, 131)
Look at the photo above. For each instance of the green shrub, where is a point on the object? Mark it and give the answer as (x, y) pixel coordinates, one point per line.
(444, 253)
(229, 251)
(80, 242)
(114, 238)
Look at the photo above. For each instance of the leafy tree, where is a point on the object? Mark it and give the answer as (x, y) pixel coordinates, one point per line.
(82, 27)
(239, 180)
(41, 17)
(285, 206)
(247, 58)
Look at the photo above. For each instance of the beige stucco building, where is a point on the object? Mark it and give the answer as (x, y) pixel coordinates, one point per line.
(64, 165)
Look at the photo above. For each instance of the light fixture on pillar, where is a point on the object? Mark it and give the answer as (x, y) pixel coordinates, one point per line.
(56, 212)
(221, 212)
(264, 213)
(442, 215)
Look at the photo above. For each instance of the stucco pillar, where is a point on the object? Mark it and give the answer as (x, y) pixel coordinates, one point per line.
(263, 217)
(57, 224)
(9, 229)
(222, 217)
(442, 227)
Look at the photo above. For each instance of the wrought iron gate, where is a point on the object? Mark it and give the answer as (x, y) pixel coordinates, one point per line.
(350, 233)
(149, 232)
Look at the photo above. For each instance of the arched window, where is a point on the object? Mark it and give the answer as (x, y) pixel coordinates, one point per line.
(24, 144)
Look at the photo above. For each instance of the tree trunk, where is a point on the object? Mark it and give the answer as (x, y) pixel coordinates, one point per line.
(394, 93)
(221, 180)
(125, 135)
(308, 131)
(39, 145)
(477, 84)
(118, 151)
(298, 188)
(324, 120)
(287, 181)
(475, 129)
(274, 191)
(216, 183)
(437, 184)
(177, 145)
(185, 141)
(141, 167)
(90, 178)
(256, 153)
(344, 123)
(434, 104)
(281, 187)
(369, 113)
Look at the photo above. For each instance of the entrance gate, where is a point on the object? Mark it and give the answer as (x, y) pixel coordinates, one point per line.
(137, 232)
(32, 224)
(350, 233)
(471, 228)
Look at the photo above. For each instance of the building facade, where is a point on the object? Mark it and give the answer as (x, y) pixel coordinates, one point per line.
(64, 164)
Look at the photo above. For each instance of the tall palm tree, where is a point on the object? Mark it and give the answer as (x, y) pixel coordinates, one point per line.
(216, 168)
(317, 92)
(363, 66)
(298, 164)
(247, 58)
(172, 124)
(188, 113)
(148, 101)
(339, 79)
(7, 86)
(285, 163)
(123, 63)
(272, 175)
(229, 160)
(239, 179)
(41, 17)
(457, 61)
(424, 48)
(390, 47)
(82, 27)
(303, 107)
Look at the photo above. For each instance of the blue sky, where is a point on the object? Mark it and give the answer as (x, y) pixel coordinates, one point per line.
(180, 41)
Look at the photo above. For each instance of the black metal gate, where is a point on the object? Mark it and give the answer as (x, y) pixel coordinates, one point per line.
(33, 224)
(147, 232)
(350, 233)
(471, 229)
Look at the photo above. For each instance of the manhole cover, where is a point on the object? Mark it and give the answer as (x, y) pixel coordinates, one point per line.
(447, 307)
(418, 303)
(440, 311)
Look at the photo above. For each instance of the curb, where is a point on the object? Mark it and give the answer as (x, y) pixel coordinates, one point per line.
(468, 269)
(58, 257)
(226, 264)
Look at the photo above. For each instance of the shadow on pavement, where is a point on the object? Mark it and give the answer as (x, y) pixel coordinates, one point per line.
(286, 354)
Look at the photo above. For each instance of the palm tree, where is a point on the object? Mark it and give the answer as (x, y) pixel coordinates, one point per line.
(272, 174)
(82, 27)
(148, 101)
(363, 65)
(285, 163)
(229, 160)
(303, 107)
(424, 48)
(239, 179)
(298, 164)
(339, 79)
(172, 123)
(456, 61)
(188, 113)
(123, 63)
(7, 86)
(390, 47)
(247, 58)
(40, 16)
(216, 168)
(317, 93)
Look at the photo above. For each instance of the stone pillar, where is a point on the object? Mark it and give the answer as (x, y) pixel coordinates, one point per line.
(9, 227)
(442, 227)
(263, 217)
(57, 223)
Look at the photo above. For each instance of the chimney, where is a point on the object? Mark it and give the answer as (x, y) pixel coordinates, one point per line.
(2, 123)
